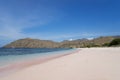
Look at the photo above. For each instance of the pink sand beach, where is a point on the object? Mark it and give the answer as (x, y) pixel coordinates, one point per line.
(84, 64)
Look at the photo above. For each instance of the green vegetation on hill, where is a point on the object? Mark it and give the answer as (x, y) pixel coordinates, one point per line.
(115, 42)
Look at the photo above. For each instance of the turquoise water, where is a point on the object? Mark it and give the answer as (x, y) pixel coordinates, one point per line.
(11, 56)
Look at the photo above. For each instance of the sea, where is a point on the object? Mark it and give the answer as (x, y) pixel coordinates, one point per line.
(10, 56)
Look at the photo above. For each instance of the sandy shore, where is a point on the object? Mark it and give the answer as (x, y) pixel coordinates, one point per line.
(87, 64)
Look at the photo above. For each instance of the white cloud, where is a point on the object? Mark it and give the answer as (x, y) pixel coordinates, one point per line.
(90, 38)
(70, 39)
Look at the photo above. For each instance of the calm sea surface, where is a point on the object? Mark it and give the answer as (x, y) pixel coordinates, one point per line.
(11, 56)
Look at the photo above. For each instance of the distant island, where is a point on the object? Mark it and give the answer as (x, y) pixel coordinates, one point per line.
(79, 43)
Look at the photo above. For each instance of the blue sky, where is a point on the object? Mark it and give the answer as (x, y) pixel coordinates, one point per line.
(58, 19)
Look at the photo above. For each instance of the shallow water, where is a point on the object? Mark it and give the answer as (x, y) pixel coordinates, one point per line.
(11, 56)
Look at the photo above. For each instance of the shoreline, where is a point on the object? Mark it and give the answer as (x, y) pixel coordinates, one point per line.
(4, 71)
(86, 64)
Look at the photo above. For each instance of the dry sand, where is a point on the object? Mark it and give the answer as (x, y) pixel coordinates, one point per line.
(87, 64)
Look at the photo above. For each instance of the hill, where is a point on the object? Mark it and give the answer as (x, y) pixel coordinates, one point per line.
(36, 43)
(31, 43)
(96, 42)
